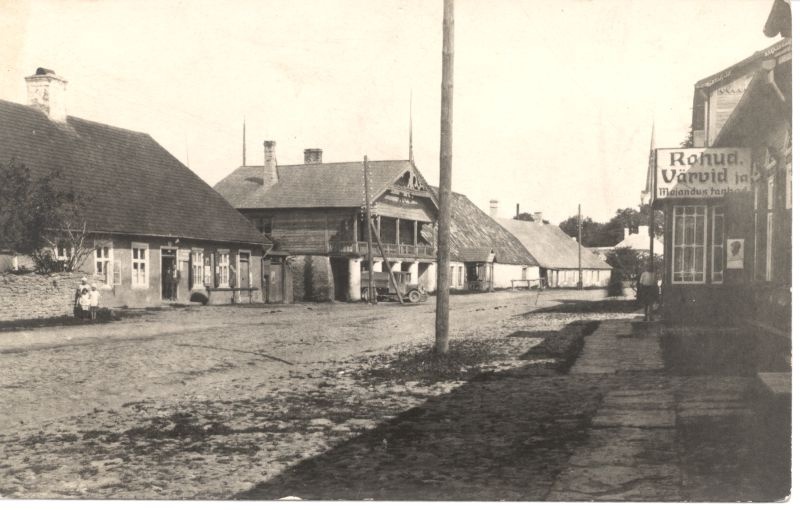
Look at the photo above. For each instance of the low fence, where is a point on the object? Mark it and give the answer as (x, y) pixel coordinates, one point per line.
(36, 296)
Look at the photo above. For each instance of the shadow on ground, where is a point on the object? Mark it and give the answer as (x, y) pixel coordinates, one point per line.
(487, 440)
(583, 306)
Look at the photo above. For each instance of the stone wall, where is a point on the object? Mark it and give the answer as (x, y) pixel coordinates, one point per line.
(33, 296)
(312, 278)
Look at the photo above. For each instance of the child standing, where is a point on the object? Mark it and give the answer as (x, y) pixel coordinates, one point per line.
(94, 301)
(85, 303)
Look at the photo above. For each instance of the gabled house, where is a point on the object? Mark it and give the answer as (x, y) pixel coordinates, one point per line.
(557, 254)
(483, 254)
(316, 212)
(159, 232)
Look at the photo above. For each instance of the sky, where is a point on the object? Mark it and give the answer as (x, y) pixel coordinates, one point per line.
(553, 105)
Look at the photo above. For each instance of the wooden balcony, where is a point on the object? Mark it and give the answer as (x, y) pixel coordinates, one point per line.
(420, 251)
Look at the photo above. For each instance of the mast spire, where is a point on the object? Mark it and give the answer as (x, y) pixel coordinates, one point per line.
(410, 127)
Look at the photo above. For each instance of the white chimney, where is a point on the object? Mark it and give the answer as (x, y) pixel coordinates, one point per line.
(493, 208)
(47, 92)
(270, 164)
(312, 156)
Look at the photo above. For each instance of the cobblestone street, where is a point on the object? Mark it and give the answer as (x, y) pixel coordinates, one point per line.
(217, 403)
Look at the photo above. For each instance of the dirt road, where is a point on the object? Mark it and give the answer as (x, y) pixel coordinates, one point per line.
(206, 402)
(206, 351)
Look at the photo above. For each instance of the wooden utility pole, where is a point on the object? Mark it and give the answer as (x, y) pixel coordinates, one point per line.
(383, 254)
(580, 245)
(368, 214)
(445, 173)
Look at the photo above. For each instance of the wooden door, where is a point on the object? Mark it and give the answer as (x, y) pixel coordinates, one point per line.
(275, 283)
(244, 272)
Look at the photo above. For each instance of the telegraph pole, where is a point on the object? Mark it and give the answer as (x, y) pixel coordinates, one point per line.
(368, 214)
(580, 244)
(445, 175)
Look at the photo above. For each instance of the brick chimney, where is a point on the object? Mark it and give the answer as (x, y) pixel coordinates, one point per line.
(537, 218)
(493, 208)
(270, 164)
(312, 156)
(47, 92)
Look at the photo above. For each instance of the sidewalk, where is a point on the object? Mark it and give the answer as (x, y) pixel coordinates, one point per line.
(660, 437)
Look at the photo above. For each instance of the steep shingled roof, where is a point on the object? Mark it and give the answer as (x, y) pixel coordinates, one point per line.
(130, 183)
(473, 233)
(551, 246)
(310, 185)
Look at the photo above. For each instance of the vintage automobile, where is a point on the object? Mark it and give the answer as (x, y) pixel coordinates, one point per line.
(384, 290)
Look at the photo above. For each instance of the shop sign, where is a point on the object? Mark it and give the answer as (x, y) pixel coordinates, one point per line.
(701, 172)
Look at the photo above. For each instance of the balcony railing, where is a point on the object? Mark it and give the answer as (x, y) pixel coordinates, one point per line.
(392, 250)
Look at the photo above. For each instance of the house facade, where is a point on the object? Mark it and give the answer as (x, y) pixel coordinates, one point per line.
(316, 212)
(728, 243)
(483, 255)
(157, 232)
(560, 264)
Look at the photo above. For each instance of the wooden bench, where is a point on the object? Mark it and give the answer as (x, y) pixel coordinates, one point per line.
(249, 291)
(528, 282)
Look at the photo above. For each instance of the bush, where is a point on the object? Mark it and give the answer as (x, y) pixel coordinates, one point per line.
(616, 283)
(199, 297)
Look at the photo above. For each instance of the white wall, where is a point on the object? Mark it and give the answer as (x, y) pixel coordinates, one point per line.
(504, 273)
(569, 277)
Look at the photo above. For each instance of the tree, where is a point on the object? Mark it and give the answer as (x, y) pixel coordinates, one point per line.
(588, 229)
(613, 231)
(630, 263)
(40, 217)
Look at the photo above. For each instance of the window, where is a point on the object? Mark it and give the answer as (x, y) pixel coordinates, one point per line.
(139, 265)
(103, 266)
(717, 244)
(265, 225)
(64, 251)
(197, 269)
(460, 276)
(223, 270)
(688, 244)
(524, 273)
(452, 281)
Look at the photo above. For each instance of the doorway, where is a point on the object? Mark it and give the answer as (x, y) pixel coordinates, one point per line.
(273, 276)
(340, 270)
(169, 274)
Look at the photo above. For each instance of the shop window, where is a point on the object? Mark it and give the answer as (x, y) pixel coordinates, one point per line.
(717, 244)
(688, 244)
(139, 265)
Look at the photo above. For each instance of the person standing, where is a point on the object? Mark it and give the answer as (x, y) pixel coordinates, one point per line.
(94, 301)
(648, 292)
(78, 292)
(85, 303)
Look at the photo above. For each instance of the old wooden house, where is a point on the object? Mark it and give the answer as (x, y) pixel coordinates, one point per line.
(159, 233)
(557, 254)
(315, 212)
(728, 243)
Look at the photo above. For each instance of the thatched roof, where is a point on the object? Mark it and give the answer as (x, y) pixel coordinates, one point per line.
(551, 246)
(473, 234)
